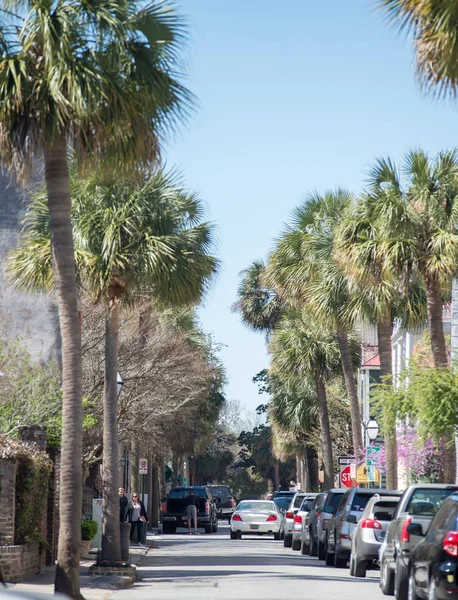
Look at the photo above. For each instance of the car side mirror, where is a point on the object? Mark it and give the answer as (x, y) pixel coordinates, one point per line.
(328, 509)
(351, 519)
(415, 529)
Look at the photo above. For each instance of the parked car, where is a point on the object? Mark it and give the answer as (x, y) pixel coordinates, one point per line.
(283, 502)
(288, 516)
(174, 509)
(225, 501)
(299, 519)
(257, 517)
(434, 560)
(309, 541)
(418, 504)
(369, 533)
(344, 520)
(331, 503)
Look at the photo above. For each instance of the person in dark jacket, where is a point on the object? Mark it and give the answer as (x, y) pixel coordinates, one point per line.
(136, 515)
(123, 504)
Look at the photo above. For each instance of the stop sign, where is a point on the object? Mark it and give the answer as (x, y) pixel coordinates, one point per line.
(345, 477)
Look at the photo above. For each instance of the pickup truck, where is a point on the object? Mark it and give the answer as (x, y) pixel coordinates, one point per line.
(225, 501)
(174, 509)
(419, 503)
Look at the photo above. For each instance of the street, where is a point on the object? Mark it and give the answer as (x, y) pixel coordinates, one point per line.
(214, 567)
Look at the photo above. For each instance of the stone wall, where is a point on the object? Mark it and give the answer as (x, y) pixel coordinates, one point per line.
(7, 500)
(19, 562)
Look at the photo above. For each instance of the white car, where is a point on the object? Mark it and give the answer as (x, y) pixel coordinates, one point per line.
(256, 517)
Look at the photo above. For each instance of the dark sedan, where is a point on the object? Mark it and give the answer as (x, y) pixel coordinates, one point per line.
(434, 560)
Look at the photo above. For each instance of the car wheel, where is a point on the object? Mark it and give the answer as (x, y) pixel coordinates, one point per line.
(208, 528)
(329, 556)
(305, 548)
(386, 579)
(339, 561)
(313, 548)
(296, 545)
(432, 589)
(352, 565)
(277, 536)
(401, 581)
(412, 592)
(240, 535)
(229, 520)
(288, 541)
(215, 527)
(234, 535)
(359, 568)
(321, 551)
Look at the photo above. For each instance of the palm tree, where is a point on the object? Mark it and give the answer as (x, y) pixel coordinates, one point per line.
(98, 77)
(301, 347)
(132, 240)
(305, 271)
(258, 304)
(416, 221)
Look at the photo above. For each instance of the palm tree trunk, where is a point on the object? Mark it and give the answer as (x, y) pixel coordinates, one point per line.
(307, 487)
(111, 538)
(67, 579)
(439, 350)
(384, 329)
(350, 384)
(326, 440)
(277, 473)
(299, 477)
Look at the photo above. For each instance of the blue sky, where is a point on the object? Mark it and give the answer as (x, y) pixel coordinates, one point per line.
(294, 96)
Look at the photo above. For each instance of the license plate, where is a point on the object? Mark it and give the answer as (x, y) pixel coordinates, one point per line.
(254, 526)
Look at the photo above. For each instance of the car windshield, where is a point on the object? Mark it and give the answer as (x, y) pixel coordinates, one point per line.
(282, 502)
(221, 491)
(245, 505)
(307, 504)
(334, 500)
(426, 501)
(360, 502)
(298, 501)
(184, 493)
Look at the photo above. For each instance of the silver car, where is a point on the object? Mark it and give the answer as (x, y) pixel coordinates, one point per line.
(331, 503)
(370, 532)
(288, 517)
(256, 517)
(299, 519)
(309, 543)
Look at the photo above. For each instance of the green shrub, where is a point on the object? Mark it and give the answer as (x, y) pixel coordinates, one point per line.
(89, 529)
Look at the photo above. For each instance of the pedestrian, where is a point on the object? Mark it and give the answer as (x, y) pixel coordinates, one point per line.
(136, 515)
(191, 511)
(123, 504)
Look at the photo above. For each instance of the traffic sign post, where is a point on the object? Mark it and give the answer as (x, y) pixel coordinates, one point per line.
(346, 480)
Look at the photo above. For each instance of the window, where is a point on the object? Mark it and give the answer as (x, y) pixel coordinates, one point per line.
(184, 493)
(426, 501)
(282, 502)
(298, 501)
(246, 505)
(445, 517)
(307, 504)
(360, 502)
(221, 491)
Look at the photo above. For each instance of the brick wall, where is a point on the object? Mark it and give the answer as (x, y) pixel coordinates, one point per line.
(19, 562)
(7, 499)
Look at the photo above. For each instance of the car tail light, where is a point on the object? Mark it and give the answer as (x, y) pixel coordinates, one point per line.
(164, 506)
(271, 518)
(405, 535)
(371, 524)
(289, 515)
(207, 506)
(298, 519)
(231, 502)
(450, 543)
(236, 517)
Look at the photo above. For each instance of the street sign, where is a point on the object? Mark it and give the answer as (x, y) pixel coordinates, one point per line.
(346, 479)
(363, 472)
(342, 461)
(143, 466)
(185, 481)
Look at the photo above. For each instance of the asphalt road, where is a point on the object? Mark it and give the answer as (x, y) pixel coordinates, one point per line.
(215, 567)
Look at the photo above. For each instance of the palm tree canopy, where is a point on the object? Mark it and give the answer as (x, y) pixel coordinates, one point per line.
(302, 347)
(102, 74)
(434, 26)
(258, 303)
(129, 238)
(293, 406)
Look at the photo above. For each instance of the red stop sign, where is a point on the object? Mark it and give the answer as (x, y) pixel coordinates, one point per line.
(345, 477)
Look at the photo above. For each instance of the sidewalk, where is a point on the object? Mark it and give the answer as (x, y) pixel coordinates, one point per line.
(92, 588)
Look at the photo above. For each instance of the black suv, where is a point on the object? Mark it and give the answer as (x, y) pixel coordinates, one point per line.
(225, 501)
(174, 514)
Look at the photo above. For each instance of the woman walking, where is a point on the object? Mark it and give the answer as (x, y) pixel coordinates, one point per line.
(136, 515)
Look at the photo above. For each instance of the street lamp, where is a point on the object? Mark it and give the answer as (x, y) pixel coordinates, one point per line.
(119, 382)
(372, 428)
